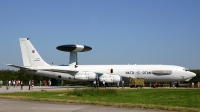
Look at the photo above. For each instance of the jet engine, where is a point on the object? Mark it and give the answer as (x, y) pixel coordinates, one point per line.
(86, 76)
(110, 78)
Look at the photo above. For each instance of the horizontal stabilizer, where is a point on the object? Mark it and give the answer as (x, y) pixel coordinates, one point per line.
(15, 66)
(19, 67)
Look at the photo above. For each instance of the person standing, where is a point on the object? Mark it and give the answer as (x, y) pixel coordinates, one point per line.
(29, 85)
(40, 83)
(1, 82)
(104, 84)
(32, 84)
(118, 84)
(49, 82)
(19, 82)
(7, 85)
(192, 84)
(94, 83)
(22, 84)
(13, 83)
(122, 84)
(9, 82)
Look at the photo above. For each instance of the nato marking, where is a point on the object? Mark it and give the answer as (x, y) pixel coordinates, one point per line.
(130, 72)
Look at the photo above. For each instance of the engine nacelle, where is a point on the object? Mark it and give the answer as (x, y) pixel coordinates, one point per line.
(110, 78)
(86, 76)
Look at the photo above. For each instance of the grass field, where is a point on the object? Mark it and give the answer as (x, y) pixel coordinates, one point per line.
(183, 100)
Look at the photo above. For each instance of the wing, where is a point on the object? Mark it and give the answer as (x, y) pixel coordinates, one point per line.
(71, 72)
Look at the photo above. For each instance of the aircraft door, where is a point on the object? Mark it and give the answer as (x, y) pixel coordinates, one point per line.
(111, 70)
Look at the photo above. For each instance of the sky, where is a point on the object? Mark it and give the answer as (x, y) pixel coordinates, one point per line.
(119, 31)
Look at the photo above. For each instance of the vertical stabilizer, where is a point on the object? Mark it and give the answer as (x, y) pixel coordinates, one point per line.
(30, 55)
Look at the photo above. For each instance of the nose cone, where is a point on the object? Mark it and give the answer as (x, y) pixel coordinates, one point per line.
(189, 76)
(193, 74)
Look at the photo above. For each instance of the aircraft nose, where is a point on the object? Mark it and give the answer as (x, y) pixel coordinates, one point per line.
(193, 74)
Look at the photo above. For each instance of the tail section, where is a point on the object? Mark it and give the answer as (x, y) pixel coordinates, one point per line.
(29, 54)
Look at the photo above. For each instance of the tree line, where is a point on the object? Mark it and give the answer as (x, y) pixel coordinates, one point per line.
(7, 75)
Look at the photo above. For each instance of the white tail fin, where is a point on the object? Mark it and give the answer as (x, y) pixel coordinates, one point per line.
(29, 54)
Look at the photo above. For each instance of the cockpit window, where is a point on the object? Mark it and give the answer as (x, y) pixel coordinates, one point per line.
(186, 70)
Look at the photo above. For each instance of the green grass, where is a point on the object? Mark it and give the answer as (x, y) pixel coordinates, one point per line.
(164, 99)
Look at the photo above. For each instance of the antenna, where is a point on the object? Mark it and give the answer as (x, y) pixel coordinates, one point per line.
(73, 49)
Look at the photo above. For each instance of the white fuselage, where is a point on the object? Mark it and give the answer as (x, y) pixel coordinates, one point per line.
(132, 71)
